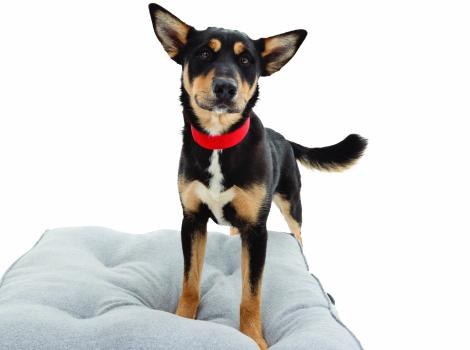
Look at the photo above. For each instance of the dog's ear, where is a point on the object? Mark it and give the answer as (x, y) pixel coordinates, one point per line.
(170, 30)
(277, 50)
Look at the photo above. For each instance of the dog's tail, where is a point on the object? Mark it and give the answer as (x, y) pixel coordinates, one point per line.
(337, 157)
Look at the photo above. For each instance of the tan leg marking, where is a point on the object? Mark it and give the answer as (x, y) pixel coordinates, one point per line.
(190, 294)
(248, 202)
(234, 231)
(284, 207)
(188, 196)
(250, 307)
(238, 48)
(215, 44)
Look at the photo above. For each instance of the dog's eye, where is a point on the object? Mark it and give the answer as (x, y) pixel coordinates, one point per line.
(245, 61)
(204, 54)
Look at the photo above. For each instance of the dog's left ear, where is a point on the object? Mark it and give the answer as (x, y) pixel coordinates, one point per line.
(171, 31)
(277, 50)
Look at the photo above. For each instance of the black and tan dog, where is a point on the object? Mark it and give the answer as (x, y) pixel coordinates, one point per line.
(231, 167)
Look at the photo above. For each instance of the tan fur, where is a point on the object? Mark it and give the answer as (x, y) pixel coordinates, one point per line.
(285, 42)
(188, 195)
(245, 91)
(203, 83)
(213, 123)
(186, 83)
(190, 294)
(248, 202)
(250, 307)
(284, 207)
(164, 20)
(215, 44)
(238, 48)
(331, 167)
(234, 231)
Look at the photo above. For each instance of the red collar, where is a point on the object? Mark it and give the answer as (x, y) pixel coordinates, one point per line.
(223, 141)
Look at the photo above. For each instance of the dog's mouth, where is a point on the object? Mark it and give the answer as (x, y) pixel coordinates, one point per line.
(213, 105)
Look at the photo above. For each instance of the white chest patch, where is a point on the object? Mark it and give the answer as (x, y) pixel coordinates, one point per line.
(215, 196)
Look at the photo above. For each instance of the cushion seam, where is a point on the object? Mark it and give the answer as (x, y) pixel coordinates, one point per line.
(324, 294)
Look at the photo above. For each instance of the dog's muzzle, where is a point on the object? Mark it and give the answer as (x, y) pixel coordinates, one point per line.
(224, 89)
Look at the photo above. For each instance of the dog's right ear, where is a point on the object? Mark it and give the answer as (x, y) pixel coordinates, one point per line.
(170, 30)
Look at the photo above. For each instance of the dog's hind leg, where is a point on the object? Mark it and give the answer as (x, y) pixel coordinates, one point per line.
(193, 239)
(291, 208)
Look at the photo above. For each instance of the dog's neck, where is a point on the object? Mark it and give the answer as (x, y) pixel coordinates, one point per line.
(223, 141)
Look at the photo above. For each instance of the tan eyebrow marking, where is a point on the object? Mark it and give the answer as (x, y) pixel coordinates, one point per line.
(238, 47)
(215, 44)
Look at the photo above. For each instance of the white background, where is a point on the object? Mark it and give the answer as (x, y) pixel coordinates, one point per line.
(90, 135)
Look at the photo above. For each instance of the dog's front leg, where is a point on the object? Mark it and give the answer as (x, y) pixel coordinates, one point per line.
(193, 240)
(254, 239)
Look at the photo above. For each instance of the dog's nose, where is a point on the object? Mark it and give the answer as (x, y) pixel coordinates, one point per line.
(224, 88)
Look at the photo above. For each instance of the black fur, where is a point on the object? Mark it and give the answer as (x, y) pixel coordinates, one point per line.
(335, 157)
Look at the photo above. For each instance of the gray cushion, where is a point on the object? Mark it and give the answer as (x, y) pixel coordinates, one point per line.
(95, 288)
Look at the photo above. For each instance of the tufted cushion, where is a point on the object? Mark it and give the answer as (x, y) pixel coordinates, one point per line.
(95, 288)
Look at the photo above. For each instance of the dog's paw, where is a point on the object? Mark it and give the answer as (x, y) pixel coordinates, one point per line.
(261, 343)
(259, 340)
(256, 334)
(187, 308)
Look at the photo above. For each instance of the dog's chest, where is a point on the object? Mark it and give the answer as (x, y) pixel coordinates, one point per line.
(215, 196)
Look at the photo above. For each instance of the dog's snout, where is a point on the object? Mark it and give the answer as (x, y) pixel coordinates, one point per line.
(224, 88)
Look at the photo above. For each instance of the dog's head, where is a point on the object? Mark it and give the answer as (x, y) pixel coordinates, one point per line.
(221, 67)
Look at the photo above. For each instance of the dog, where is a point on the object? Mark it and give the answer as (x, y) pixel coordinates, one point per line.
(232, 168)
